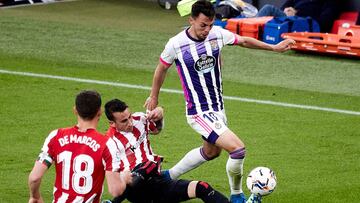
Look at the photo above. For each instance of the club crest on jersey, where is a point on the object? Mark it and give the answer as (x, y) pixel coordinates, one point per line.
(214, 45)
(205, 63)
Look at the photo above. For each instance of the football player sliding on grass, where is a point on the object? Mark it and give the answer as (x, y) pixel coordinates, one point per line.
(131, 134)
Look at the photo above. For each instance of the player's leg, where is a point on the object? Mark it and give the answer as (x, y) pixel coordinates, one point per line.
(182, 190)
(205, 192)
(213, 127)
(194, 158)
(127, 193)
(234, 166)
(140, 176)
(208, 151)
(131, 194)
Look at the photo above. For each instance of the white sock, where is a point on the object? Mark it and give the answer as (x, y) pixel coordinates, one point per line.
(234, 170)
(191, 160)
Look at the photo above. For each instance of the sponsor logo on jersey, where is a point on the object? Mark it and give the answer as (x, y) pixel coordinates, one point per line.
(138, 142)
(205, 63)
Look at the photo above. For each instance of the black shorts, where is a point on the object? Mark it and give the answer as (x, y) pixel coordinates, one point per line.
(160, 190)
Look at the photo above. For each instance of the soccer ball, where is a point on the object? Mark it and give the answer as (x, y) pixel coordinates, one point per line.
(261, 181)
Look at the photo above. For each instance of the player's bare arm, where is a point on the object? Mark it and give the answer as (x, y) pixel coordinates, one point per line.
(254, 43)
(284, 45)
(34, 182)
(158, 80)
(126, 177)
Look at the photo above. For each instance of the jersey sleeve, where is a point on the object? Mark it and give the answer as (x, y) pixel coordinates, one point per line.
(141, 116)
(46, 155)
(111, 156)
(152, 126)
(229, 38)
(168, 55)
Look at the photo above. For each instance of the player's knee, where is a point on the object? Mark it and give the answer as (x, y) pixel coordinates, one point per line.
(210, 154)
(203, 189)
(213, 155)
(238, 153)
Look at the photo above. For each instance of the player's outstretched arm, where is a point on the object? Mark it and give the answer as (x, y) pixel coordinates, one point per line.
(254, 43)
(158, 80)
(34, 182)
(284, 45)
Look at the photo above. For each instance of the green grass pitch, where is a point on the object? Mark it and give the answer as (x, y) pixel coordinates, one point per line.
(315, 154)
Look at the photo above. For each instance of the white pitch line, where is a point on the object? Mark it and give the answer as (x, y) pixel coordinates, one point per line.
(179, 92)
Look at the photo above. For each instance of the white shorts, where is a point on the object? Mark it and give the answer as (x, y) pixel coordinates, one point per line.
(209, 124)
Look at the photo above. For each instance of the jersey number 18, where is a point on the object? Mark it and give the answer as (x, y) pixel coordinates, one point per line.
(79, 173)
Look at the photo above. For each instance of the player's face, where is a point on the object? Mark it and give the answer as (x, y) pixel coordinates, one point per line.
(201, 26)
(123, 121)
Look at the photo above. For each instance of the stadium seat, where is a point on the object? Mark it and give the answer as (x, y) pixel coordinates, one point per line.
(345, 18)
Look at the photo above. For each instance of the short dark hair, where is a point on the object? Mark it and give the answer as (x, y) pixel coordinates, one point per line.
(87, 104)
(202, 6)
(113, 106)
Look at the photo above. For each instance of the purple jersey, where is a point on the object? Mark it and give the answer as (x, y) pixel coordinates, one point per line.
(199, 68)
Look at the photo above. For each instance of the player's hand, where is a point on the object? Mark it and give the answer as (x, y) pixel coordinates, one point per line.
(36, 200)
(126, 176)
(284, 45)
(156, 114)
(151, 103)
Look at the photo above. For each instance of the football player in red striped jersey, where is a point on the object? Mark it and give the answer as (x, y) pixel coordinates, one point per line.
(131, 134)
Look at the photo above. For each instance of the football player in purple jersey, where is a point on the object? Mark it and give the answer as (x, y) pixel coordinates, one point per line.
(196, 53)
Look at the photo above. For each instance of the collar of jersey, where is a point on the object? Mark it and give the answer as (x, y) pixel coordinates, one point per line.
(77, 128)
(189, 36)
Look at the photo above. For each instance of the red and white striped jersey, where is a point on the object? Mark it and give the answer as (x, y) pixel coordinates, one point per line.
(81, 159)
(134, 146)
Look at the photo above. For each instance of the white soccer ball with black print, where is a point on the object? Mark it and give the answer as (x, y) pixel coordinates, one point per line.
(261, 181)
